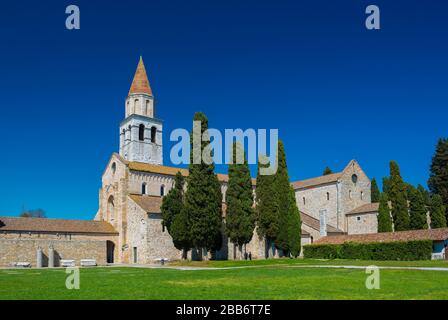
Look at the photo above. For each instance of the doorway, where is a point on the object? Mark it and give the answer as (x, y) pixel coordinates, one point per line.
(110, 247)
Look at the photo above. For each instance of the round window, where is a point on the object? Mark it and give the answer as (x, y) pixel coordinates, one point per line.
(354, 178)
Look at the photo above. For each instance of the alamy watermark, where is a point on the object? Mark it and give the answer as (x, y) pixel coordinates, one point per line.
(220, 152)
(73, 279)
(373, 280)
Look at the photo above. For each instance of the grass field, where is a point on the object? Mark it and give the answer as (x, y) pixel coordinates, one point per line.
(270, 279)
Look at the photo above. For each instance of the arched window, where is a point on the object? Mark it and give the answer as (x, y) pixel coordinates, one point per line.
(328, 196)
(162, 190)
(144, 188)
(350, 194)
(110, 209)
(362, 195)
(114, 167)
(141, 132)
(304, 200)
(146, 108)
(135, 105)
(153, 134)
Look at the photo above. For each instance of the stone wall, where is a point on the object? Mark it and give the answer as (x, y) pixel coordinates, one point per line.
(353, 195)
(362, 223)
(160, 244)
(25, 250)
(317, 198)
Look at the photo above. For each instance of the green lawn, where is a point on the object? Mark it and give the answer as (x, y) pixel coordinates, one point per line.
(283, 261)
(282, 281)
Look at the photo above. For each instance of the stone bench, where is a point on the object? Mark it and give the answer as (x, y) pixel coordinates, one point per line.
(438, 256)
(162, 260)
(22, 264)
(67, 263)
(88, 263)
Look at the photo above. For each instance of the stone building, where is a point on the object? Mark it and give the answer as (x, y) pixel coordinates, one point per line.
(20, 239)
(339, 200)
(135, 181)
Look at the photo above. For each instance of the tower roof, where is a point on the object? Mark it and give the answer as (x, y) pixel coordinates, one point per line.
(140, 84)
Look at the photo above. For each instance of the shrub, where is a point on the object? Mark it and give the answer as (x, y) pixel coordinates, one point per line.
(321, 251)
(397, 250)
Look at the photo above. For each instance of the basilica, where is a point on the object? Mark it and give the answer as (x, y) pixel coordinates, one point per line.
(127, 227)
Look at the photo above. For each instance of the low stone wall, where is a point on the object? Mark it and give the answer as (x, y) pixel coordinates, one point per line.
(25, 250)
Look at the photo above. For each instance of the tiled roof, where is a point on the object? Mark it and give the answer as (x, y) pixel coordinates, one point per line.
(140, 83)
(152, 168)
(430, 234)
(329, 178)
(151, 204)
(366, 208)
(55, 225)
(315, 224)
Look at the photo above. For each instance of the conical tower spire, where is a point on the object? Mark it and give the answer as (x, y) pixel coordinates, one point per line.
(140, 84)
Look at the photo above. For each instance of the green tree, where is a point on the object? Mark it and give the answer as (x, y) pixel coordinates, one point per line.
(266, 206)
(288, 237)
(173, 202)
(374, 191)
(294, 226)
(240, 215)
(174, 217)
(327, 170)
(437, 212)
(384, 218)
(426, 195)
(203, 197)
(417, 210)
(397, 196)
(438, 180)
(386, 184)
(180, 232)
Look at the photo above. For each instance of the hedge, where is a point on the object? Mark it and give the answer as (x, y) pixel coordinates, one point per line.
(397, 250)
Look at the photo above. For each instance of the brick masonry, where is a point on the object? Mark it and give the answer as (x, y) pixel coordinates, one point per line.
(25, 250)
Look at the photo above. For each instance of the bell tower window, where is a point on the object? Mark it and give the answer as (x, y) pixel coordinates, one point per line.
(141, 132)
(153, 134)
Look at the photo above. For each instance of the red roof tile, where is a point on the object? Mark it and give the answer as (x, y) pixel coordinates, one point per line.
(55, 225)
(429, 234)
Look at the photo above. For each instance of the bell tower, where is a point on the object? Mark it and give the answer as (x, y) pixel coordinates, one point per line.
(140, 131)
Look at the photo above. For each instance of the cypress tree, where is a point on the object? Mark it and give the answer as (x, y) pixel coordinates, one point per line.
(174, 217)
(288, 237)
(327, 170)
(417, 210)
(426, 196)
(374, 191)
(266, 206)
(180, 232)
(384, 219)
(173, 202)
(438, 180)
(294, 226)
(240, 216)
(438, 212)
(203, 197)
(397, 196)
(386, 184)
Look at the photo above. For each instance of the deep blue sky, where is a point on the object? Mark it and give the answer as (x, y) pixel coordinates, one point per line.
(335, 90)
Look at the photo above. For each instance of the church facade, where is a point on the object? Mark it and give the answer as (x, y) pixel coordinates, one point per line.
(135, 181)
(128, 226)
